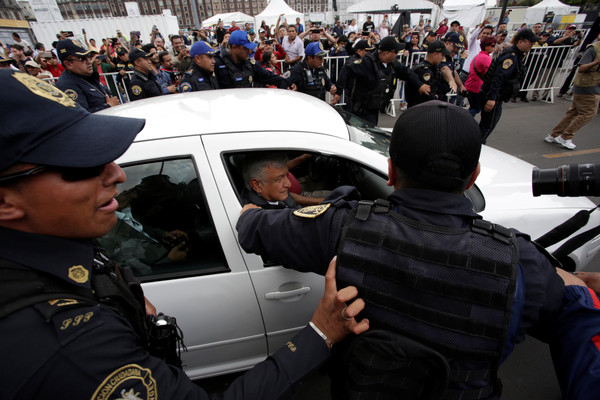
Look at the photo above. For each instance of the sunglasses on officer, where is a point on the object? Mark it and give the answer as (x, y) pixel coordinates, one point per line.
(68, 174)
(82, 58)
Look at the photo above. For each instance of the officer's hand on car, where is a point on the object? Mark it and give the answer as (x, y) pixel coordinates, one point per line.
(489, 105)
(333, 317)
(112, 101)
(425, 89)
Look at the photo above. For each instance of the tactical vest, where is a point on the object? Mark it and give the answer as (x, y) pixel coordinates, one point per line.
(240, 78)
(434, 82)
(372, 98)
(512, 86)
(590, 78)
(314, 84)
(449, 289)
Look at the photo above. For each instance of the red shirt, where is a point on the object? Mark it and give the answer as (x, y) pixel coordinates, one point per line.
(55, 71)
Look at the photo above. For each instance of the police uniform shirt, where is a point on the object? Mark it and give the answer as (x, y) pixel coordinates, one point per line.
(197, 78)
(318, 78)
(225, 68)
(444, 87)
(144, 86)
(87, 91)
(427, 74)
(507, 69)
(71, 350)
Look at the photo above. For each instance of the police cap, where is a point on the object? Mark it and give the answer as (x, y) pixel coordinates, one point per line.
(136, 53)
(526, 34)
(59, 132)
(437, 144)
(363, 45)
(201, 47)
(71, 47)
(437, 46)
(315, 49)
(456, 38)
(240, 38)
(390, 43)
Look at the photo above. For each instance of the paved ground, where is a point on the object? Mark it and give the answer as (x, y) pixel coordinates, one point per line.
(528, 373)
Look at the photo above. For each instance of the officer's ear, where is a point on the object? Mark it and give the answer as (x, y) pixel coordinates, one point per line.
(474, 176)
(392, 176)
(9, 205)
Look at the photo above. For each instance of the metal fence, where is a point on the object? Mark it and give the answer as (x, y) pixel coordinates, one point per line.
(547, 69)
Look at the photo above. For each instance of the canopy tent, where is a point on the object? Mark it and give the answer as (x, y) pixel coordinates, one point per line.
(469, 12)
(538, 12)
(392, 7)
(228, 18)
(272, 12)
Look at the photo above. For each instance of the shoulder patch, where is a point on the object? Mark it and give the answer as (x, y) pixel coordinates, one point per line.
(287, 74)
(137, 90)
(358, 61)
(507, 63)
(185, 87)
(252, 61)
(312, 211)
(128, 382)
(189, 71)
(427, 77)
(72, 94)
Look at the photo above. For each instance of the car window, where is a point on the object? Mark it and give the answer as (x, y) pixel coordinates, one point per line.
(164, 228)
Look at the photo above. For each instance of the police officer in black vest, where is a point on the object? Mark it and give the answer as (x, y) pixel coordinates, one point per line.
(73, 322)
(428, 73)
(374, 76)
(201, 76)
(237, 69)
(503, 80)
(143, 83)
(81, 81)
(451, 291)
(310, 77)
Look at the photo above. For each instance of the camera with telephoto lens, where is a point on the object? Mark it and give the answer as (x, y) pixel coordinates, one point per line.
(567, 180)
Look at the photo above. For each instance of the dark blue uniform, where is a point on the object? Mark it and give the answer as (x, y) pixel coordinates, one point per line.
(500, 84)
(428, 75)
(314, 82)
(196, 79)
(88, 92)
(444, 88)
(269, 232)
(72, 350)
(142, 86)
(233, 75)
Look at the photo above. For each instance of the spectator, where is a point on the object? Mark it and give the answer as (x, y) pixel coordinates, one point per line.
(299, 26)
(167, 71)
(18, 55)
(478, 67)
(353, 27)
(454, 27)
(501, 27)
(220, 31)
(421, 28)
(501, 44)
(24, 43)
(34, 69)
(368, 26)
(269, 62)
(233, 27)
(6, 62)
(406, 31)
(38, 48)
(103, 65)
(269, 45)
(224, 46)
(180, 54)
(429, 38)
(165, 84)
(53, 66)
(443, 28)
(122, 39)
(293, 46)
(185, 38)
(383, 30)
(413, 46)
(265, 27)
(339, 51)
(338, 28)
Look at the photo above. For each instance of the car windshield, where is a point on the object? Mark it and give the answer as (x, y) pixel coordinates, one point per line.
(366, 134)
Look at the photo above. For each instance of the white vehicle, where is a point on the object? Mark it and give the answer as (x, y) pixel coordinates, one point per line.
(183, 174)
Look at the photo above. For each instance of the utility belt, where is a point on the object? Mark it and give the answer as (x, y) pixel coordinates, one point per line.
(113, 286)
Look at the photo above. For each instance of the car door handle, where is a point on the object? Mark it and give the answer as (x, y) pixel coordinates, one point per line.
(286, 294)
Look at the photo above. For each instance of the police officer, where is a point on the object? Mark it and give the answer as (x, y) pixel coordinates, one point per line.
(359, 50)
(78, 331)
(428, 73)
(80, 80)
(310, 77)
(237, 70)
(374, 76)
(201, 76)
(123, 66)
(144, 83)
(430, 270)
(503, 80)
(449, 68)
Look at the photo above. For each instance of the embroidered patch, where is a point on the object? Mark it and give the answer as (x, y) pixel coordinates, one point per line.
(322, 81)
(427, 77)
(129, 382)
(312, 211)
(185, 87)
(252, 61)
(78, 274)
(507, 63)
(358, 61)
(136, 90)
(287, 74)
(46, 90)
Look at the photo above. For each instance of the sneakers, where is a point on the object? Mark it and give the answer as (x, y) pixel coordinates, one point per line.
(550, 139)
(567, 144)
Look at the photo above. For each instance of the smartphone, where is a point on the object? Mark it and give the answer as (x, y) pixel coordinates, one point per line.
(83, 30)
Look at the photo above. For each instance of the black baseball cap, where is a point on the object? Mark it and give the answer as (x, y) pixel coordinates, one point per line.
(363, 45)
(526, 34)
(59, 132)
(456, 38)
(136, 53)
(437, 144)
(389, 43)
(71, 47)
(437, 46)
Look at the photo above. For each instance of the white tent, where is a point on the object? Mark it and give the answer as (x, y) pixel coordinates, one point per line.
(396, 6)
(272, 12)
(228, 18)
(469, 12)
(536, 13)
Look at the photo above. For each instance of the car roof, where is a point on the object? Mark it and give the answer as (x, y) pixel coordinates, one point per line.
(232, 110)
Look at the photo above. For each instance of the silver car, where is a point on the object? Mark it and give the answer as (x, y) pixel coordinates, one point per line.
(183, 195)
